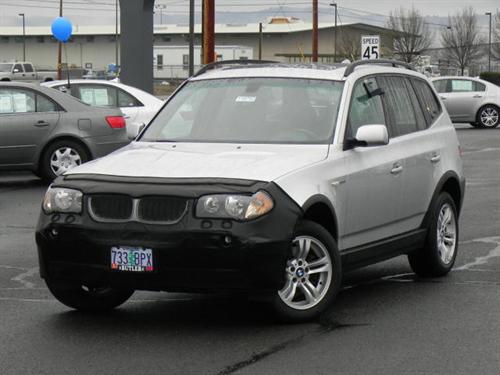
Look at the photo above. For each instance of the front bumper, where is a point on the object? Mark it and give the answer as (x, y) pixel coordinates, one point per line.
(191, 255)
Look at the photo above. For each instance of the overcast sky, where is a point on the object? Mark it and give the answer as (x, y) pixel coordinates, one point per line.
(102, 11)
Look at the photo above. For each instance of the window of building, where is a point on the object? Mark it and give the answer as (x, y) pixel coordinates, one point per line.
(185, 62)
(40, 39)
(159, 62)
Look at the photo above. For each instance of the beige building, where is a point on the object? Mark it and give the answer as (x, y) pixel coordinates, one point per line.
(284, 39)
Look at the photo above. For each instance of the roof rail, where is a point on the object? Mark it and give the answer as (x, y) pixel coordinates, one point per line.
(216, 64)
(350, 68)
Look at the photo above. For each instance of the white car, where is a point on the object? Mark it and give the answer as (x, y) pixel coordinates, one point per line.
(471, 100)
(138, 106)
(264, 177)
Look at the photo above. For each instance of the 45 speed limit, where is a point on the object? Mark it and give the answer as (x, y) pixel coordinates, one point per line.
(370, 47)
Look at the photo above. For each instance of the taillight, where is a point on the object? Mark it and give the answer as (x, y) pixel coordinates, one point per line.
(116, 122)
(460, 151)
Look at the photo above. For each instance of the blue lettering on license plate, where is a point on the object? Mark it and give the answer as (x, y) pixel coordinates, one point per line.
(132, 259)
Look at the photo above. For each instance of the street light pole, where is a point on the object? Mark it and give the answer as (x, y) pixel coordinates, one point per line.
(59, 47)
(116, 34)
(335, 35)
(315, 31)
(24, 36)
(489, 44)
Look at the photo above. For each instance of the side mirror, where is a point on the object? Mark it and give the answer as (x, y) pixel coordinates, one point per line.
(16, 70)
(369, 135)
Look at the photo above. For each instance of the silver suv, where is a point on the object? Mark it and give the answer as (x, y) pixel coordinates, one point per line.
(264, 177)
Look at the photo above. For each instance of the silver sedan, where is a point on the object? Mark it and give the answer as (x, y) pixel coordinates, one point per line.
(470, 100)
(49, 132)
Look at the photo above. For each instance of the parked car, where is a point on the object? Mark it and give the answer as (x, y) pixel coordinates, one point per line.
(24, 71)
(138, 106)
(270, 178)
(471, 100)
(49, 132)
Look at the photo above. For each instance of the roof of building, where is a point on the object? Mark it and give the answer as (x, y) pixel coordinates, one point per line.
(247, 28)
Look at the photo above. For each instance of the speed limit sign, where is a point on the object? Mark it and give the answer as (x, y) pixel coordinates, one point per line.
(370, 47)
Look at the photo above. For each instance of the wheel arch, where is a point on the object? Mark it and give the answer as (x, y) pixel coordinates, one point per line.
(62, 138)
(320, 210)
(452, 184)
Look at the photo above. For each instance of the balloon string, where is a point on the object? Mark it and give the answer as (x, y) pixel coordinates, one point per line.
(67, 64)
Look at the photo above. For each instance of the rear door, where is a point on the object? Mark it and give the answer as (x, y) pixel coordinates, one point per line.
(462, 98)
(26, 120)
(29, 72)
(18, 73)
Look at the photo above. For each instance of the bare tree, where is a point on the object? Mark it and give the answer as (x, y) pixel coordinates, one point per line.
(350, 46)
(411, 34)
(461, 40)
(496, 37)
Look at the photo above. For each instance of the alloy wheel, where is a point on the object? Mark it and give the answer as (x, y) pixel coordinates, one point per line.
(63, 159)
(489, 117)
(446, 233)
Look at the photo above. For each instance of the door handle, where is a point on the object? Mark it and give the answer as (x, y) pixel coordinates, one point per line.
(435, 158)
(442, 98)
(396, 169)
(41, 124)
(477, 96)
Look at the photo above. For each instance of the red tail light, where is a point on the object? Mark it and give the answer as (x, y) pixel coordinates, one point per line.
(116, 122)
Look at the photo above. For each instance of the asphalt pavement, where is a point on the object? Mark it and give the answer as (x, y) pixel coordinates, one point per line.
(385, 321)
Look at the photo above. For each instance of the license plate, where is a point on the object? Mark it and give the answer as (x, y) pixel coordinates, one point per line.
(133, 259)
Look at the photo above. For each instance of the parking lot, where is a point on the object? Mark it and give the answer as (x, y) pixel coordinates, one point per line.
(385, 321)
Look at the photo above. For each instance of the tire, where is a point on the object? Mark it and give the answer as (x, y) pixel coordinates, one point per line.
(89, 299)
(488, 117)
(69, 153)
(438, 255)
(474, 124)
(306, 294)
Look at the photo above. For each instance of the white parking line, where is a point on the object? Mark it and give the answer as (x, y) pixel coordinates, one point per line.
(483, 259)
(21, 278)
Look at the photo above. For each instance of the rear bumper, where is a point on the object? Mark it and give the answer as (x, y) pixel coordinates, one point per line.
(103, 145)
(191, 255)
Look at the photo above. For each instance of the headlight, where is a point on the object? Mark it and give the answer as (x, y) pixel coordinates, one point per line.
(240, 207)
(62, 200)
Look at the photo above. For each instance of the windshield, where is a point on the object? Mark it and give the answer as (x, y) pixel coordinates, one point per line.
(5, 68)
(249, 110)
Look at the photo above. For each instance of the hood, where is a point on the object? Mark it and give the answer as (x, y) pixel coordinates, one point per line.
(262, 162)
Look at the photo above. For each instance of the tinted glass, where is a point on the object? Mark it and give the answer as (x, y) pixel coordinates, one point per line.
(478, 86)
(28, 68)
(250, 110)
(428, 101)
(419, 114)
(441, 85)
(365, 109)
(17, 101)
(18, 67)
(97, 95)
(402, 118)
(44, 104)
(127, 100)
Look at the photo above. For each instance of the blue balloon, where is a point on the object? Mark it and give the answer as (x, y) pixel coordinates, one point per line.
(62, 29)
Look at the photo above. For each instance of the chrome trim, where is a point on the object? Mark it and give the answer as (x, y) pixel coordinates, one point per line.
(134, 217)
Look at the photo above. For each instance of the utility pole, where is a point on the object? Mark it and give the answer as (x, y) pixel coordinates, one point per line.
(209, 31)
(489, 44)
(260, 40)
(315, 32)
(24, 36)
(116, 34)
(191, 37)
(59, 47)
(335, 35)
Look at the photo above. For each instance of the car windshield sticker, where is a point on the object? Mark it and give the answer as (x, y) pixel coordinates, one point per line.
(6, 105)
(101, 97)
(461, 85)
(246, 99)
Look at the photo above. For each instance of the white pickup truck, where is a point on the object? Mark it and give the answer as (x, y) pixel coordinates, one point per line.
(24, 71)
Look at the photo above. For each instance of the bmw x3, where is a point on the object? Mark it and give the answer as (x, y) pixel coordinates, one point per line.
(269, 178)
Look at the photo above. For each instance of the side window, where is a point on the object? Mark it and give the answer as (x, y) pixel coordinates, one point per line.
(97, 95)
(44, 104)
(18, 68)
(28, 68)
(127, 100)
(401, 115)
(365, 109)
(461, 85)
(478, 86)
(440, 85)
(429, 102)
(419, 114)
(17, 101)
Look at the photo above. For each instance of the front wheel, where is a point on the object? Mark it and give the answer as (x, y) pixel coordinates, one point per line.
(88, 298)
(313, 274)
(488, 116)
(438, 255)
